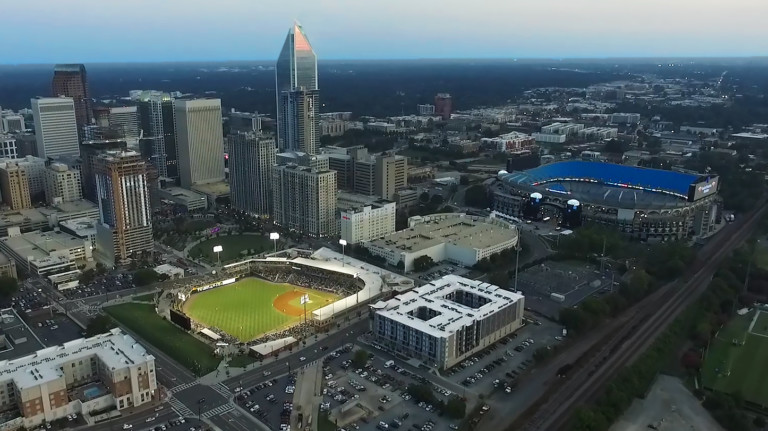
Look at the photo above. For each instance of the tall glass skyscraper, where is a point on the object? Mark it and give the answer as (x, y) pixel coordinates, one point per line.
(298, 120)
(71, 80)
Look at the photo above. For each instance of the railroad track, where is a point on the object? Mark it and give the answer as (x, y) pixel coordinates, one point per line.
(645, 323)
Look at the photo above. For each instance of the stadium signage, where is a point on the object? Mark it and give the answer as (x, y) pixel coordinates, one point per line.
(216, 284)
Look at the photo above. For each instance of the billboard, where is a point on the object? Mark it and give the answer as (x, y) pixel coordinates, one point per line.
(703, 189)
(181, 320)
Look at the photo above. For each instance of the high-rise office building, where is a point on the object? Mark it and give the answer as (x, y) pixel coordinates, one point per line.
(365, 176)
(125, 215)
(89, 151)
(71, 80)
(55, 126)
(304, 200)
(14, 183)
(155, 110)
(62, 184)
(251, 159)
(391, 175)
(13, 123)
(126, 118)
(298, 120)
(444, 105)
(200, 141)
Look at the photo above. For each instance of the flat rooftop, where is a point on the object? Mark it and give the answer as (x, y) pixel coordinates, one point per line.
(445, 316)
(115, 349)
(181, 194)
(83, 226)
(458, 229)
(212, 189)
(20, 339)
(39, 245)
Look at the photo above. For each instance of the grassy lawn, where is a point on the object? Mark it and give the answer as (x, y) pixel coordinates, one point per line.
(165, 336)
(733, 367)
(245, 309)
(232, 246)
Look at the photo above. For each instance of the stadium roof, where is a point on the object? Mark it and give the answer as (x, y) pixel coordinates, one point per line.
(655, 180)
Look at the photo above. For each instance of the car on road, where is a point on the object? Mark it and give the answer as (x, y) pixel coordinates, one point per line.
(302, 359)
(127, 426)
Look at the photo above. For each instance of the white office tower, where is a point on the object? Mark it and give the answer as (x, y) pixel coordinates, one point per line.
(304, 200)
(200, 140)
(391, 175)
(8, 147)
(62, 184)
(55, 127)
(127, 119)
(13, 123)
(251, 159)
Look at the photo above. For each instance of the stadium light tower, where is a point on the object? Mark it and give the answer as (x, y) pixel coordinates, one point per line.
(274, 236)
(343, 243)
(218, 249)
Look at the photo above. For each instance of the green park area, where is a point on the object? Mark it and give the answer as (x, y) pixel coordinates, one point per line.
(165, 336)
(736, 358)
(232, 246)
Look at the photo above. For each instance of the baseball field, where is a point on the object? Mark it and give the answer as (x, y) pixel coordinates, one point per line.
(252, 307)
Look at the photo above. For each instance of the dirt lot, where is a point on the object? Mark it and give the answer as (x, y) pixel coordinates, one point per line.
(670, 407)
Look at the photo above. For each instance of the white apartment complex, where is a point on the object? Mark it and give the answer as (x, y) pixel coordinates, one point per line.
(368, 222)
(55, 126)
(62, 184)
(457, 238)
(80, 376)
(447, 320)
(510, 141)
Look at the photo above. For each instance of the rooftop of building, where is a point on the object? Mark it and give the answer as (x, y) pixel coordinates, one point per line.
(180, 193)
(428, 308)
(459, 229)
(168, 269)
(116, 349)
(219, 188)
(38, 246)
(348, 200)
(83, 226)
(20, 339)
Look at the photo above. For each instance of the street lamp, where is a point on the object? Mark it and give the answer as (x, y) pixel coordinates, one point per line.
(274, 236)
(343, 243)
(217, 249)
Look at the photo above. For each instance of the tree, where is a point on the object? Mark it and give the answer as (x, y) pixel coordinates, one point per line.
(759, 422)
(423, 263)
(691, 360)
(8, 287)
(464, 180)
(436, 200)
(145, 276)
(87, 276)
(424, 197)
(421, 392)
(360, 358)
(455, 408)
(99, 325)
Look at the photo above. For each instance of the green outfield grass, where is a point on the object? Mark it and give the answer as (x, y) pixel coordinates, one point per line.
(737, 368)
(165, 336)
(245, 309)
(232, 245)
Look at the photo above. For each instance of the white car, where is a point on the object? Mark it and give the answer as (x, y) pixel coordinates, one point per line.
(266, 373)
(127, 426)
(302, 359)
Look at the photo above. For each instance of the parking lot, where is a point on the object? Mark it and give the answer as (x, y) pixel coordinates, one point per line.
(54, 329)
(100, 286)
(440, 270)
(573, 281)
(270, 402)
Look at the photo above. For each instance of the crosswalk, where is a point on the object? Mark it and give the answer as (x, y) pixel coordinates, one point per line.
(180, 408)
(180, 388)
(222, 389)
(224, 408)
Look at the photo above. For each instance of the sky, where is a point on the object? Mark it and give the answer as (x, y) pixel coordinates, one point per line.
(91, 31)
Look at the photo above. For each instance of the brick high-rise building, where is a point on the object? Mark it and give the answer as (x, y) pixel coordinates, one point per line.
(444, 105)
(71, 80)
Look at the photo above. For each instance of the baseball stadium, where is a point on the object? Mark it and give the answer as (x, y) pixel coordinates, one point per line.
(644, 203)
(258, 300)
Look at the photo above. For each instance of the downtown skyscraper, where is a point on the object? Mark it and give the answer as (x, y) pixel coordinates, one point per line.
(298, 97)
(71, 80)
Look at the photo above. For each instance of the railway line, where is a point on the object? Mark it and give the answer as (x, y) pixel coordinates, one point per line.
(640, 327)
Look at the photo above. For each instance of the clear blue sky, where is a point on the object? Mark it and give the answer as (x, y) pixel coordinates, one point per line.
(86, 31)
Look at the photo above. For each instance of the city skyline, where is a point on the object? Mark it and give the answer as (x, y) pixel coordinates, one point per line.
(429, 29)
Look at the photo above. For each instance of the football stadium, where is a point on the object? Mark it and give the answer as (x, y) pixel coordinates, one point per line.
(644, 203)
(275, 298)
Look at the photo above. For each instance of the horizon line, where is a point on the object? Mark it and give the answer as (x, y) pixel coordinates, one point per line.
(513, 59)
